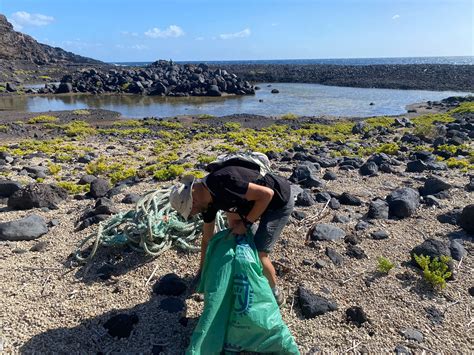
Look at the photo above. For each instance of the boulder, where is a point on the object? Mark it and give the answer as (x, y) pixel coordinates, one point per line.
(305, 199)
(131, 198)
(348, 199)
(324, 231)
(330, 175)
(378, 209)
(369, 168)
(214, 91)
(466, 220)
(8, 187)
(37, 196)
(433, 185)
(457, 249)
(64, 88)
(99, 188)
(275, 91)
(306, 175)
(379, 235)
(313, 305)
(86, 179)
(432, 248)
(403, 202)
(28, 228)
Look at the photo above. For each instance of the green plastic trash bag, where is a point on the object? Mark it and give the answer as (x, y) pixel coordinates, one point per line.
(240, 312)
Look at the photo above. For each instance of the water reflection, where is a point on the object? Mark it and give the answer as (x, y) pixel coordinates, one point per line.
(301, 99)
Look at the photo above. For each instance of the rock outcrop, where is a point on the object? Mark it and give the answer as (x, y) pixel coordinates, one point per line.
(19, 46)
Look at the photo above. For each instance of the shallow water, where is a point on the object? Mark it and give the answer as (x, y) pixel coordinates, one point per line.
(300, 99)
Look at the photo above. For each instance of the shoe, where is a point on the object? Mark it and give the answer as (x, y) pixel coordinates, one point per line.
(279, 297)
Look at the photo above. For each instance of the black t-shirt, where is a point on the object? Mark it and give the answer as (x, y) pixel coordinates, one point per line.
(229, 185)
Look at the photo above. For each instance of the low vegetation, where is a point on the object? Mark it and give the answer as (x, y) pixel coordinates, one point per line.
(384, 265)
(435, 271)
(43, 119)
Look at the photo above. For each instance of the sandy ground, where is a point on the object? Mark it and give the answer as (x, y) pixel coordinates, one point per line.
(52, 304)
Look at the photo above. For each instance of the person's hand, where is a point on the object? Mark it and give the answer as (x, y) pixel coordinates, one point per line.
(239, 228)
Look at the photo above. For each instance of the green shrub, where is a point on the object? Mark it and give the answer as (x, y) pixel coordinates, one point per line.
(78, 128)
(170, 172)
(44, 77)
(458, 163)
(73, 188)
(388, 148)
(54, 169)
(169, 124)
(206, 159)
(435, 271)
(289, 116)
(381, 121)
(464, 107)
(3, 128)
(43, 119)
(384, 265)
(431, 119)
(127, 123)
(198, 174)
(232, 126)
(121, 175)
(97, 167)
(81, 112)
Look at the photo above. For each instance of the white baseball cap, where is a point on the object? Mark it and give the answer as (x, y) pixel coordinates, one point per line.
(181, 196)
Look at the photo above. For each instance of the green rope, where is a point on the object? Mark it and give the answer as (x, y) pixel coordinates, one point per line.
(152, 227)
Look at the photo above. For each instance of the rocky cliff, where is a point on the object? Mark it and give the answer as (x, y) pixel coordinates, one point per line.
(19, 46)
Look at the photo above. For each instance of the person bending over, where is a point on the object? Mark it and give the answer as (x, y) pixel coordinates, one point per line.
(247, 197)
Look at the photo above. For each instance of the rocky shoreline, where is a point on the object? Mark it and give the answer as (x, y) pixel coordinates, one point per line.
(414, 77)
(386, 187)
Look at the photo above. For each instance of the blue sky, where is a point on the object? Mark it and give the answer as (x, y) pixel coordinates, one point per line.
(146, 30)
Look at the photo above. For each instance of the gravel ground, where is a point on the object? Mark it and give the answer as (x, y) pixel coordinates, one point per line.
(51, 304)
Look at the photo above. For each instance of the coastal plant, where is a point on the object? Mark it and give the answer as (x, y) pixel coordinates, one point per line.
(44, 77)
(458, 163)
(431, 119)
(127, 123)
(435, 271)
(205, 116)
(384, 265)
(232, 126)
(206, 159)
(73, 188)
(42, 119)
(3, 129)
(139, 131)
(54, 169)
(2, 88)
(464, 107)
(81, 112)
(122, 174)
(388, 148)
(381, 121)
(198, 174)
(78, 129)
(97, 167)
(289, 116)
(169, 124)
(168, 173)
(427, 130)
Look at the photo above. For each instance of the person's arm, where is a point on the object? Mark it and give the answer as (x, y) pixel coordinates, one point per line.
(262, 196)
(207, 234)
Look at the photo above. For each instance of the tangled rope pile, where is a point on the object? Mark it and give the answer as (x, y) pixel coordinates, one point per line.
(152, 227)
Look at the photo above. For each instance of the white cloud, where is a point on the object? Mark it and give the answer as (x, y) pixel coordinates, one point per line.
(199, 38)
(171, 31)
(127, 33)
(21, 19)
(395, 17)
(241, 34)
(274, 24)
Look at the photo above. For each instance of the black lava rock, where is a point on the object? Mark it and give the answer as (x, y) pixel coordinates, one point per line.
(348, 199)
(37, 196)
(379, 235)
(99, 188)
(313, 305)
(324, 231)
(28, 228)
(355, 251)
(8, 187)
(356, 316)
(433, 185)
(403, 202)
(378, 209)
(334, 256)
(466, 220)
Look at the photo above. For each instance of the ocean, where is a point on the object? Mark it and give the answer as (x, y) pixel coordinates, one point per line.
(464, 60)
